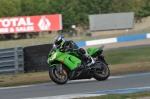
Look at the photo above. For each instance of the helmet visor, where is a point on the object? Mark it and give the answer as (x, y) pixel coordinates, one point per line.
(58, 42)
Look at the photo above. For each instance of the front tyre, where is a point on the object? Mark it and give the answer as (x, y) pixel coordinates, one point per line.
(102, 73)
(57, 77)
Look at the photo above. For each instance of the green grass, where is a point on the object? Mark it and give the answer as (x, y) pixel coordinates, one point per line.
(24, 79)
(128, 56)
(1, 81)
(123, 96)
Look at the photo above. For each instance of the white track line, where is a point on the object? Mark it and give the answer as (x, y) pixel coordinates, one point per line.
(90, 94)
(17, 87)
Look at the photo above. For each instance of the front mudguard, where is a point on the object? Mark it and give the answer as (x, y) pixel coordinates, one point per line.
(58, 67)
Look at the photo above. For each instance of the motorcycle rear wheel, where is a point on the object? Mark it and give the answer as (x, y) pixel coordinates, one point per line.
(57, 77)
(102, 73)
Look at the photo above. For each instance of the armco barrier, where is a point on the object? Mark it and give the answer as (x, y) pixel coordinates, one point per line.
(113, 40)
(11, 61)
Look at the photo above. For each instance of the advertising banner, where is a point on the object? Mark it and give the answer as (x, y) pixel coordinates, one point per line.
(30, 23)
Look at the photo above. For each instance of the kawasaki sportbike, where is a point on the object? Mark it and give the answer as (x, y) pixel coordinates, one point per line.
(62, 65)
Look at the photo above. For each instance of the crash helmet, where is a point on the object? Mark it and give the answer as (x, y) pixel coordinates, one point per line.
(59, 41)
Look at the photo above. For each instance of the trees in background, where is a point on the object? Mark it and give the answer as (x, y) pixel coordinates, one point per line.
(74, 12)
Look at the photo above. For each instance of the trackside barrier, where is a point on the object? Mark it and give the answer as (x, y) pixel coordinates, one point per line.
(11, 60)
(34, 58)
(114, 40)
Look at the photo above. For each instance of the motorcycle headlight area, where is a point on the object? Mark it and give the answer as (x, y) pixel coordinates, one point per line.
(53, 56)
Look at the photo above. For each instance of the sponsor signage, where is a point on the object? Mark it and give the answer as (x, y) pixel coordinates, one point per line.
(30, 24)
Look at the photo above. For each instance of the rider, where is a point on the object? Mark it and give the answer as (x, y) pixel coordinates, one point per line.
(65, 45)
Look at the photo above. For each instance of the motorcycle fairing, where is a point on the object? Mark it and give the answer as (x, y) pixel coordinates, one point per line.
(70, 61)
(91, 51)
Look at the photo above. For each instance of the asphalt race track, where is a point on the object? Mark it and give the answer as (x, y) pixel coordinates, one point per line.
(74, 87)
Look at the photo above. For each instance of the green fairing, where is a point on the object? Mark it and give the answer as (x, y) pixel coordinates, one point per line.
(69, 60)
(91, 51)
(74, 52)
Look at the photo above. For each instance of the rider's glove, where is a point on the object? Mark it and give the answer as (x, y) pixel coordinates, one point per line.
(63, 50)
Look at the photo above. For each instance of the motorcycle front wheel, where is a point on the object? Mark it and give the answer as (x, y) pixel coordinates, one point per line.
(103, 72)
(58, 78)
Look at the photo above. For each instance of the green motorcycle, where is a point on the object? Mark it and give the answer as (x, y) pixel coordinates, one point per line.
(62, 65)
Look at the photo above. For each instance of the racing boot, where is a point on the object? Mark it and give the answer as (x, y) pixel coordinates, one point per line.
(90, 60)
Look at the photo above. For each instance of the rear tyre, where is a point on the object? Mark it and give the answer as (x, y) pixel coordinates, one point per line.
(57, 77)
(102, 73)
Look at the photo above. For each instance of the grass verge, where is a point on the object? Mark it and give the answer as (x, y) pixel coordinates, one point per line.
(138, 95)
(24, 79)
(128, 56)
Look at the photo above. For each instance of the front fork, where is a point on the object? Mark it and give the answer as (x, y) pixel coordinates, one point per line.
(59, 68)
